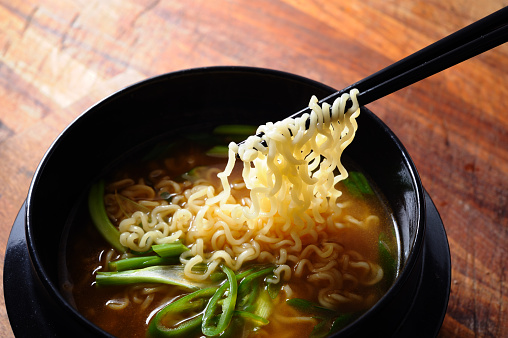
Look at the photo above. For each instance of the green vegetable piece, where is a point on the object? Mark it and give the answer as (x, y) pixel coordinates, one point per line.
(235, 129)
(321, 329)
(100, 218)
(233, 133)
(245, 284)
(249, 288)
(218, 151)
(191, 303)
(273, 289)
(208, 326)
(141, 262)
(263, 306)
(170, 249)
(217, 276)
(167, 196)
(340, 322)
(257, 320)
(352, 188)
(194, 174)
(387, 261)
(163, 274)
(246, 299)
(245, 273)
(200, 268)
(362, 183)
(328, 322)
(309, 307)
(327, 326)
(357, 184)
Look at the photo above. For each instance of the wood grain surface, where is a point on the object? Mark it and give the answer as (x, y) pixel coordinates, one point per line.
(58, 57)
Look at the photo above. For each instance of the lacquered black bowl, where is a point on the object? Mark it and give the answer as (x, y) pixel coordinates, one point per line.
(159, 106)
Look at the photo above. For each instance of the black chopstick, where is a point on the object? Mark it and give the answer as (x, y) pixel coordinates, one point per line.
(472, 40)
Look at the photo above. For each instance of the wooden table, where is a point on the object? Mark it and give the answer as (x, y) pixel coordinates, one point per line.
(57, 57)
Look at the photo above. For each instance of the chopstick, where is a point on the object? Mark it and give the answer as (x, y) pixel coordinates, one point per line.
(472, 40)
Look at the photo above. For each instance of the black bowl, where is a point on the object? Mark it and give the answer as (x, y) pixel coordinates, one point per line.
(209, 96)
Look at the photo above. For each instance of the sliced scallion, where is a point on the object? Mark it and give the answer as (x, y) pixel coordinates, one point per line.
(247, 298)
(263, 306)
(167, 196)
(309, 307)
(340, 322)
(257, 320)
(273, 289)
(321, 329)
(208, 326)
(357, 184)
(164, 274)
(141, 262)
(218, 151)
(386, 259)
(192, 303)
(194, 174)
(169, 249)
(245, 283)
(100, 218)
(235, 129)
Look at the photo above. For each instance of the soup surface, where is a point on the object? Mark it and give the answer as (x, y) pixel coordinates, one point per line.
(340, 270)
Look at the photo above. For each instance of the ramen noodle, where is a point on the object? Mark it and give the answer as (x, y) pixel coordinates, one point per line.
(282, 208)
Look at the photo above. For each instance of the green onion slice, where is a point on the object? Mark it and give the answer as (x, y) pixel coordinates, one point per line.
(191, 303)
(170, 249)
(228, 306)
(100, 218)
(164, 274)
(132, 263)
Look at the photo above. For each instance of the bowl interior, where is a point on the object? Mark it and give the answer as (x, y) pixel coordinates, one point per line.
(176, 101)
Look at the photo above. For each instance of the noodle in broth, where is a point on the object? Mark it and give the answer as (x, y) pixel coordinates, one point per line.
(288, 206)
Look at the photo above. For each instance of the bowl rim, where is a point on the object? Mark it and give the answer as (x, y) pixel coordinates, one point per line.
(53, 289)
